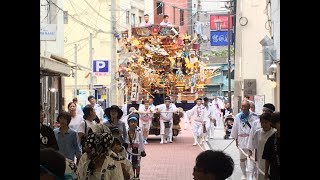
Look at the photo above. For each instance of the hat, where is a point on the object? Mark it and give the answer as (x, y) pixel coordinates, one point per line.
(132, 118)
(86, 111)
(167, 98)
(113, 107)
(270, 107)
(229, 117)
(146, 15)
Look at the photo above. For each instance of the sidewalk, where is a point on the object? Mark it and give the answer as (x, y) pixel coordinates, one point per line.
(219, 143)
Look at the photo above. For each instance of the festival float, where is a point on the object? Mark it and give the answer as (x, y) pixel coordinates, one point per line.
(157, 61)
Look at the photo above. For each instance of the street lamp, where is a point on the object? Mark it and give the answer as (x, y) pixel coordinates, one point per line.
(228, 6)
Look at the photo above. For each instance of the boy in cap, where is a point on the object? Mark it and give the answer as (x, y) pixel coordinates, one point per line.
(135, 144)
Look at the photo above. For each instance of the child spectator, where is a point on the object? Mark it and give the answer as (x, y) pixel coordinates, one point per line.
(258, 141)
(135, 144)
(271, 152)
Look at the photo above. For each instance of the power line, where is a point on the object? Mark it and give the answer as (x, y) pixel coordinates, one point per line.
(78, 21)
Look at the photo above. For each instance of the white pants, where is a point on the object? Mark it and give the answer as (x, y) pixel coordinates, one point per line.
(197, 129)
(249, 163)
(145, 127)
(219, 122)
(168, 131)
(210, 128)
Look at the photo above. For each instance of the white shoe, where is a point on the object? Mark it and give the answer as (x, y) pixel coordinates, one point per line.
(206, 139)
(243, 177)
(161, 142)
(194, 144)
(211, 137)
(145, 142)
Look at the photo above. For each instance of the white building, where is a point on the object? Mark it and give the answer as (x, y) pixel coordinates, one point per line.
(96, 17)
(252, 26)
(53, 67)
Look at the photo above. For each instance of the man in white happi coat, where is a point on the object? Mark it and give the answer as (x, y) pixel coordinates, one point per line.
(240, 132)
(211, 119)
(199, 120)
(218, 105)
(145, 119)
(166, 116)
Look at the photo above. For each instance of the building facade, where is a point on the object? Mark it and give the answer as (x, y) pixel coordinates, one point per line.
(253, 24)
(96, 18)
(53, 67)
(177, 12)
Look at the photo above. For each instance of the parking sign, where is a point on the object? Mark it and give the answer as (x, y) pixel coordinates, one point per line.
(100, 67)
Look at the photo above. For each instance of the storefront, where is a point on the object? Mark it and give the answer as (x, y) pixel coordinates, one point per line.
(52, 70)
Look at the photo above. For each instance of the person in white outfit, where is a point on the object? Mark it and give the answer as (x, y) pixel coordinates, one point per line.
(218, 105)
(259, 139)
(165, 21)
(79, 109)
(267, 108)
(199, 121)
(146, 21)
(145, 119)
(210, 119)
(76, 119)
(240, 132)
(166, 111)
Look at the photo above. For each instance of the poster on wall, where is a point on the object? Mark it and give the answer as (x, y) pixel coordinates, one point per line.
(259, 102)
(83, 98)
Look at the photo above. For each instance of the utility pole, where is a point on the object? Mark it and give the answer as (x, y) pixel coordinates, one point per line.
(91, 66)
(113, 90)
(76, 71)
(198, 10)
(229, 59)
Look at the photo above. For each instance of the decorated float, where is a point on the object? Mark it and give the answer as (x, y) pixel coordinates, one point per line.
(158, 60)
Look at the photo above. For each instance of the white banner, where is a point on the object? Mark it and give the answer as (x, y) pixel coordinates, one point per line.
(258, 102)
(48, 32)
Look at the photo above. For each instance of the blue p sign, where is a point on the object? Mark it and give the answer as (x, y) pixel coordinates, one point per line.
(101, 66)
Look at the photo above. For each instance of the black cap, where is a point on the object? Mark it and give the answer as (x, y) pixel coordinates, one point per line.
(269, 107)
(146, 15)
(167, 98)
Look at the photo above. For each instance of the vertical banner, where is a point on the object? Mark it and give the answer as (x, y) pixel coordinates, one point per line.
(259, 102)
(134, 88)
